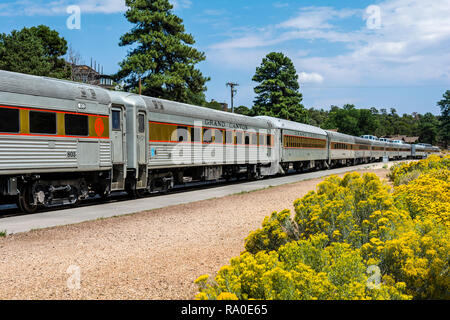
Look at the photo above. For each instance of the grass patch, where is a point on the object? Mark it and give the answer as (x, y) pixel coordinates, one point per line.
(3, 233)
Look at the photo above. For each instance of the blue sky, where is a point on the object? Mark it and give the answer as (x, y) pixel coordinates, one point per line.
(382, 54)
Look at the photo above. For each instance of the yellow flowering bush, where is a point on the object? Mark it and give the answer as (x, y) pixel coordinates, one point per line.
(420, 258)
(356, 210)
(404, 173)
(346, 228)
(428, 196)
(299, 270)
(277, 230)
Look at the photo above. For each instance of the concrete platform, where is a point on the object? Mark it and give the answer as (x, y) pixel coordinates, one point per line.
(24, 223)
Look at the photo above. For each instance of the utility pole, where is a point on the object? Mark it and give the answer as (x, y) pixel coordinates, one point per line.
(140, 85)
(233, 92)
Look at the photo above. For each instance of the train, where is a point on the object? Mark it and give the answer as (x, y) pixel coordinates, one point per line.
(62, 142)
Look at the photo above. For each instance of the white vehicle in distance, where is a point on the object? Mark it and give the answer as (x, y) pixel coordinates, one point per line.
(369, 137)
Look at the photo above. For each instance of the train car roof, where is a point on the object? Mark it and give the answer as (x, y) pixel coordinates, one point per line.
(119, 97)
(187, 110)
(291, 125)
(360, 140)
(19, 83)
(335, 134)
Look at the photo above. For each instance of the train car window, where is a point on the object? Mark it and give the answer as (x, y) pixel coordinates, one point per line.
(196, 134)
(218, 136)
(182, 134)
(262, 140)
(9, 120)
(116, 124)
(247, 139)
(141, 123)
(207, 135)
(76, 125)
(42, 122)
(238, 138)
(161, 132)
(254, 139)
(269, 140)
(228, 137)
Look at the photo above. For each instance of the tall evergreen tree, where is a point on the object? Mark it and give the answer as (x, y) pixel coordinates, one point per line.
(277, 92)
(162, 54)
(444, 130)
(428, 128)
(36, 50)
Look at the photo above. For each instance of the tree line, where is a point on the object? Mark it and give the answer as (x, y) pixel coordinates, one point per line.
(162, 63)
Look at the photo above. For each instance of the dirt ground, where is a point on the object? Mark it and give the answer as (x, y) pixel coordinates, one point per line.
(149, 255)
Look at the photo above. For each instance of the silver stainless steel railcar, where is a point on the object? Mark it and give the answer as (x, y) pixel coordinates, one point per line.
(55, 145)
(363, 152)
(418, 151)
(301, 146)
(189, 143)
(341, 148)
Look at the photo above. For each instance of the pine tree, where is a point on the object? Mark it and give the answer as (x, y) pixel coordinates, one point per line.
(444, 129)
(162, 54)
(36, 50)
(277, 93)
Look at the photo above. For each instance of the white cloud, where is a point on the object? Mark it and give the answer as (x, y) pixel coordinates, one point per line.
(281, 5)
(313, 77)
(316, 18)
(236, 59)
(411, 47)
(252, 41)
(44, 8)
(214, 12)
(181, 4)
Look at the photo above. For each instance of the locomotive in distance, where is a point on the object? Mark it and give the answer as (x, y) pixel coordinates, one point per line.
(62, 142)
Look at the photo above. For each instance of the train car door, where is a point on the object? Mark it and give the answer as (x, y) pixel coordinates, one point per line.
(118, 142)
(142, 151)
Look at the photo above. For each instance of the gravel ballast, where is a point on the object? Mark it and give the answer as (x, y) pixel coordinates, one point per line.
(149, 255)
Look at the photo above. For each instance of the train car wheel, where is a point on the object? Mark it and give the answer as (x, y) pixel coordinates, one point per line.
(26, 200)
(75, 196)
(140, 193)
(135, 193)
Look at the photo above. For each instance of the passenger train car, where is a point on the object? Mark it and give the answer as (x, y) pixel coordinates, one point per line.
(62, 142)
(300, 146)
(55, 140)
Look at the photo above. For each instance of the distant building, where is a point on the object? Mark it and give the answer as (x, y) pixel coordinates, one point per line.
(217, 105)
(405, 139)
(224, 106)
(88, 75)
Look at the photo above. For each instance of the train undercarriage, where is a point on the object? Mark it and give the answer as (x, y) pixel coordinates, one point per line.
(32, 191)
(163, 180)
